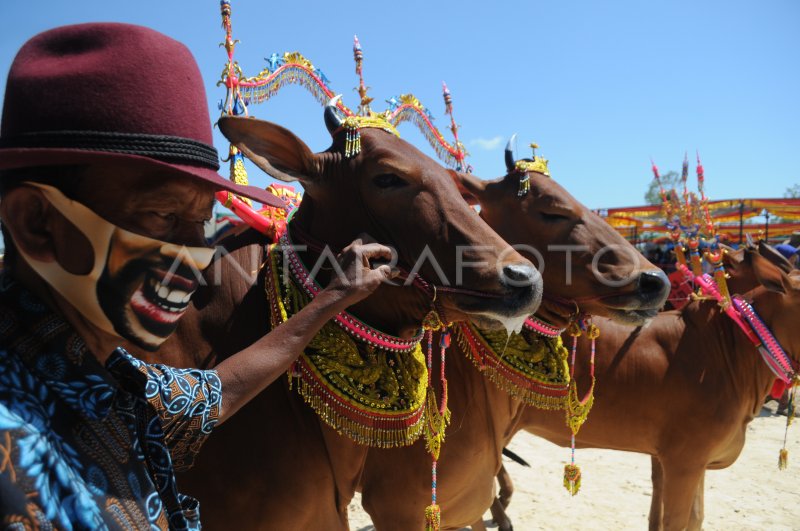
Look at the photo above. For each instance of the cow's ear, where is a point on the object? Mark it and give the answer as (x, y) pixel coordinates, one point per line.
(470, 186)
(767, 274)
(731, 258)
(274, 149)
(775, 258)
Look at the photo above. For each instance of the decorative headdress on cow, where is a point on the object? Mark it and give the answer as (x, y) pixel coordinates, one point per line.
(689, 222)
(294, 68)
(523, 167)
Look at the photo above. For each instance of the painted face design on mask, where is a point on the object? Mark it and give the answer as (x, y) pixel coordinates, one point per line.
(138, 287)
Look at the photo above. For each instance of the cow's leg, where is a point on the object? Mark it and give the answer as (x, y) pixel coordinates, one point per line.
(657, 500)
(681, 481)
(506, 487)
(499, 516)
(696, 518)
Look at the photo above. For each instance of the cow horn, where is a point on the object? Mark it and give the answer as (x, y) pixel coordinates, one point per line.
(332, 120)
(510, 161)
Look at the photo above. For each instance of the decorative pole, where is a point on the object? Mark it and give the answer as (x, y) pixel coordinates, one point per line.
(684, 178)
(448, 109)
(234, 105)
(672, 217)
(358, 57)
(713, 254)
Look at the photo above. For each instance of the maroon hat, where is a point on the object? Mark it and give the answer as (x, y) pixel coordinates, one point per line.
(94, 93)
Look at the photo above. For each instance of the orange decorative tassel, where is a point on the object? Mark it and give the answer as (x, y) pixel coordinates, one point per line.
(572, 478)
(783, 459)
(433, 518)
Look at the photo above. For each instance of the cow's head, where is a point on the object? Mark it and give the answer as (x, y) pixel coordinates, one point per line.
(404, 199)
(587, 265)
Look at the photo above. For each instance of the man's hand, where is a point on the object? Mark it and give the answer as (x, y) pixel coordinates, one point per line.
(359, 278)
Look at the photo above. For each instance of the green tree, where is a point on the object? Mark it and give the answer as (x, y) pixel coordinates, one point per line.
(669, 180)
(792, 192)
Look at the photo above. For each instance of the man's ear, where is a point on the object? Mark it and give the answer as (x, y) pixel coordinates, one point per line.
(470, 186)
(41, 232)
(25, 213)
(274, 149)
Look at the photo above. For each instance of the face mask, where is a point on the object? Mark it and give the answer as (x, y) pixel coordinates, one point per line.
(138, 287)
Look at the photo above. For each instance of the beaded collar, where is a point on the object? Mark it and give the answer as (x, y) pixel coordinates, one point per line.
(528, 366)
(354, 327)
(376, 396)
(534, 324)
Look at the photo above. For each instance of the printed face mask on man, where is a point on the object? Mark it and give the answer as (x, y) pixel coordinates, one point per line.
(138, 287)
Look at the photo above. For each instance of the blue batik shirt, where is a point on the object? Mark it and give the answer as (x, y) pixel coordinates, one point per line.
(83, 446)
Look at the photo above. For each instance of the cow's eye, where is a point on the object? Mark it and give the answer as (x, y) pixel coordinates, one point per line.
(388, 180)
(554, 217)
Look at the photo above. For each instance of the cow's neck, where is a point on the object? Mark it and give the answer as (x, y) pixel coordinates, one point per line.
(751, 378)
(392, 310)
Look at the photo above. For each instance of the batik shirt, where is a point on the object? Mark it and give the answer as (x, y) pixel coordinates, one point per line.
(84, 446)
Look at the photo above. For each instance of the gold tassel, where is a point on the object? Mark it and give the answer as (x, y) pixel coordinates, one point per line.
(783, 459)
(239, 172)
(352, 139)
(783, 456)
(572, 478)
(524, 185)
(433, 518)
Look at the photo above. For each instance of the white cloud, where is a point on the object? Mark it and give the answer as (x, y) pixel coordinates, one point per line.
(489, 144)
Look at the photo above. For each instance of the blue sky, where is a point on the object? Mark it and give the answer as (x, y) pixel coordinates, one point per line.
(601, 86)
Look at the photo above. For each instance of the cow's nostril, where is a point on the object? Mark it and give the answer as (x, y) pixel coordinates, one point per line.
(520, 274)
(654, 283)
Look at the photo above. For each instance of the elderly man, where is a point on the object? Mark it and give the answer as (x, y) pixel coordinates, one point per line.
(107, 178)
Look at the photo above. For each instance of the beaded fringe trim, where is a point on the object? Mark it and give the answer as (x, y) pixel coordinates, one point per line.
(524, 389)
(355, 424)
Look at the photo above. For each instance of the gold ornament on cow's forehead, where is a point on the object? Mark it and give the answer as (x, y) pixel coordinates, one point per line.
(352, 126)
(523, 167)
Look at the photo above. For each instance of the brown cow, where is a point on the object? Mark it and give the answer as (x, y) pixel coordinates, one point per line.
(484, 417)
(694, 356)
(276, 465)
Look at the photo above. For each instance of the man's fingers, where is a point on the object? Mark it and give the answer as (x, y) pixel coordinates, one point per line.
(353, 245)
(372, 251)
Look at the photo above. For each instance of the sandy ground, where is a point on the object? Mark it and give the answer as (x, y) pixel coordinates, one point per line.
(750, 495)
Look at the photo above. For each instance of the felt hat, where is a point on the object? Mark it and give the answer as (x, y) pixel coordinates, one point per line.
(786, 250)
(104, 92)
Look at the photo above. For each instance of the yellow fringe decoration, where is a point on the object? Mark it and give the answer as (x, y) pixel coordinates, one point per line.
(519, 352)
(577, 412)
(435, 425)
(572, 479)
(433, 518)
